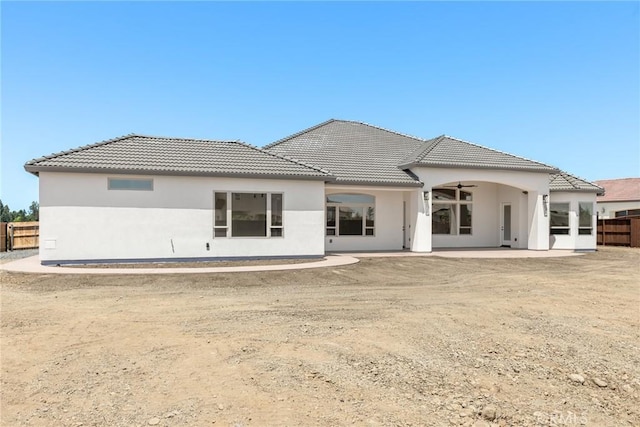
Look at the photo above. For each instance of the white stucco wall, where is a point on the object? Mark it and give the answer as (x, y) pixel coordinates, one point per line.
(609, 209)
(523, 190)
(573, 240)
(81, 220)
(388, 221)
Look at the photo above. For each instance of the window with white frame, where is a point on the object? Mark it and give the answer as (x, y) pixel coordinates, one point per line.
(451, 211)
(559, 218)
(585, 218)
(350, 215)
(248, 214)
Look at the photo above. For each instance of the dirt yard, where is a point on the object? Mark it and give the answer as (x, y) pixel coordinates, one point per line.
(386, 342)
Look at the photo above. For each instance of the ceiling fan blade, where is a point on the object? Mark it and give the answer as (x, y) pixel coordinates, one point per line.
(459, 186)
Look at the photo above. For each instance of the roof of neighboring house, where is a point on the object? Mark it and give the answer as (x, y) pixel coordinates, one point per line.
(355, 153)
(359, 153)
(620, 190)
(565, 182)
(140, 154)
(446, 151)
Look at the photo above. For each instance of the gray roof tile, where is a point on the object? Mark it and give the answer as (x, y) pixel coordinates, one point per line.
(563, 181)
(354, 152)
(446, 151)
(357, 152)
(140, 154)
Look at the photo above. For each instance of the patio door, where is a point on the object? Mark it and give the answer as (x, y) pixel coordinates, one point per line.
(505, 225)
(404, 225)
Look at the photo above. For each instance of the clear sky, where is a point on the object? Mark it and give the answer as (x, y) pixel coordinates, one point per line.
(554, 82)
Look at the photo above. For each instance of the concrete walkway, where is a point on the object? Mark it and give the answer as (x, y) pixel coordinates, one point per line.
(470, 253)
(32, 264)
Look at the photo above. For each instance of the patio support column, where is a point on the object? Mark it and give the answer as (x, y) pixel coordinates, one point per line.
(421, 241)
(538, 222)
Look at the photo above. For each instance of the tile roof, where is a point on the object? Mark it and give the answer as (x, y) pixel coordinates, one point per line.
(620, 190)
(359, 153)
(446, 151)
(563, 181)
(354, 152)
(140, 154)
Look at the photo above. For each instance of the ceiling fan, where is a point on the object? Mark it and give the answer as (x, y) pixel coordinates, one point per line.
(459, 186)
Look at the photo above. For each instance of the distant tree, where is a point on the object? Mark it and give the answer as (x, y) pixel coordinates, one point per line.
(19, 216)
(5, 212)
(7, 215)
(34, 212)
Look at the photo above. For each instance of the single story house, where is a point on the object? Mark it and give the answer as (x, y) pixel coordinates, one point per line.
(338, 186)
(621, 198)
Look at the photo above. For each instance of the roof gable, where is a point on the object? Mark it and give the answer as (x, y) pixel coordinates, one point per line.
(563, 181)
(354, 152)
(141, 154)
(446, 151)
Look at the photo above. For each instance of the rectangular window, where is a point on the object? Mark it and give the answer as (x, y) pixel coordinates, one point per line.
(248, 214)
(452, 211)
(444, 194)
(276, 215)
(559, 220)
(350, 214)
(441, 218)
(350, 221)
(585, 218)
(465, 219)
(331, 220)
(370, 221)
(629, 212)
(220, 221)
(130, 184)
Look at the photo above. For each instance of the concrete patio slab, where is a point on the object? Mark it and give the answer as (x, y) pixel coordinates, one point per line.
(469, 253)
(32, 264)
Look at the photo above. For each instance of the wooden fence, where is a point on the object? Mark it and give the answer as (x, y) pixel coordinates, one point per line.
(619, 232)
(19, 235)
(3, 236)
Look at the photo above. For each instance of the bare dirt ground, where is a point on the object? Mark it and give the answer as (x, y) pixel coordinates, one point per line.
(386, 342)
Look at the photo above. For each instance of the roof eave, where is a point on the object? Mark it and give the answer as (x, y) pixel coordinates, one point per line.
(547, 170)
(576, 190)
(34, 169)
(413, 184)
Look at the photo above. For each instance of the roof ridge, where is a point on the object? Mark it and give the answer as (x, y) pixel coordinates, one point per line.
(618, 179)
(432, 143)
(302, 132)
(81, 148)
(406, 135)
(500, 151)
(179, 138)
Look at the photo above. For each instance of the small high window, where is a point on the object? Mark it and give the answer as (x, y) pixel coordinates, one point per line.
(130, 184)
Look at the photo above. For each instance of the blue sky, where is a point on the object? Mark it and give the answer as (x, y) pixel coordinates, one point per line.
(554, 82)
